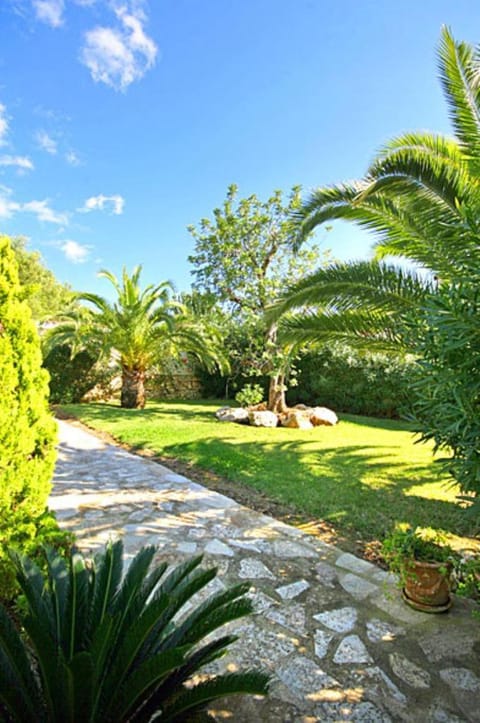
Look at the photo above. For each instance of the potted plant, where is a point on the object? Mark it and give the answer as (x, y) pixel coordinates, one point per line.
(424, 563)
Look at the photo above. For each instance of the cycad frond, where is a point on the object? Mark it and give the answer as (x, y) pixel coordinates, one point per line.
(132, 658)
(208, 691)
(19, 691)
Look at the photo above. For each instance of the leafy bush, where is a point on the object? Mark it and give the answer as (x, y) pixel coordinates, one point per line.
(347, 381)
(243, 343)
(250, 394)
(446, 389)
(107, 649)
(70, 378)
(27, 430)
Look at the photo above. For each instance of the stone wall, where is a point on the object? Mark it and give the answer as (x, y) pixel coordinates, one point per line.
(174, 386)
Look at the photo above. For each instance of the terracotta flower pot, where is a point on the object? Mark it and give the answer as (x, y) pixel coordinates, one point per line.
(427, 585)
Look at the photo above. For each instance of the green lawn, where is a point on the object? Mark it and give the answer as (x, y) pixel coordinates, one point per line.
(362, 475)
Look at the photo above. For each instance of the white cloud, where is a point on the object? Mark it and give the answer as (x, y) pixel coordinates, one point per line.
(47, 143)
(3, 124)
(98, 203)
(75, 252)
(40, 209)
(7, 206)
(20, 162)
(72, 159)
(49, 11)
(43, 212)
(118, 56)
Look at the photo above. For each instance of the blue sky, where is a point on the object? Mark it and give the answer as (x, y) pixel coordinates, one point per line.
(121, 122)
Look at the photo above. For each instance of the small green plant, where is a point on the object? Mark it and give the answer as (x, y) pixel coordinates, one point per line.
(100, 646)
(467, 576)
(405, 545)
(250, 394)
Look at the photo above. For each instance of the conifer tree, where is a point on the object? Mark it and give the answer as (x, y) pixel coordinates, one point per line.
(27, 430)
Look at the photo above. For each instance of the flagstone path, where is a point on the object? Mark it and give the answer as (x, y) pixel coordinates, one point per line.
(330, 627)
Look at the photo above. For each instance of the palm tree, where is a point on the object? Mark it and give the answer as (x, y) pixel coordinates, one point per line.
(421, 195)
(364, 304)
(421, 198)
(138, 329)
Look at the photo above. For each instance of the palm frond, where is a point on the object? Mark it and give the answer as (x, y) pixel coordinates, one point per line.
(459, 74)
(364, 330)
(346, 286)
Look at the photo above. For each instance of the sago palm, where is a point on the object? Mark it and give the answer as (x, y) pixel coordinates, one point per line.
(139, 328)
(99, 646)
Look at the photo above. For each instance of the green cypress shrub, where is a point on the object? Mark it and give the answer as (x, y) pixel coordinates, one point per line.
(27, 430)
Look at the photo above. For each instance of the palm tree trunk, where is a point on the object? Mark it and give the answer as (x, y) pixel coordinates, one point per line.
(133, 388)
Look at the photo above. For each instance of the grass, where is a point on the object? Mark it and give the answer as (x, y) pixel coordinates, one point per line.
(362, 476)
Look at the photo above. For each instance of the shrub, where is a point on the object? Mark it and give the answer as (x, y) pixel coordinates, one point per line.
(27, 430)
(70, 378)
(446, 388)
(112, 649)
(347, 381)
(250, 394)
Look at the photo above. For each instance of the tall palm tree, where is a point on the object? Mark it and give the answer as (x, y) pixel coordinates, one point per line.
(421, 195)
(421, 199)
(139, 328)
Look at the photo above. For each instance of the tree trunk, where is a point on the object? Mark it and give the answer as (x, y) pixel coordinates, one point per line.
(276, 394)
(276, 390)
(133, 388)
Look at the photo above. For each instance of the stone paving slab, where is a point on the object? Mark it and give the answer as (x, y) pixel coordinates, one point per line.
(330, 628)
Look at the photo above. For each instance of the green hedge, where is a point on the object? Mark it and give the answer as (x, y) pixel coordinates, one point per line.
(342, 379)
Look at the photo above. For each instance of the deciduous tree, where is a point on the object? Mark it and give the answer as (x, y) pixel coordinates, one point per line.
(244, 257)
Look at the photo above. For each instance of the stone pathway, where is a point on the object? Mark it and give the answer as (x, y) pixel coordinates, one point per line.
(330, 627)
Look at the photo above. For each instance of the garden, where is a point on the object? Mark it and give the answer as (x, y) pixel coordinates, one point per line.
(270, 322)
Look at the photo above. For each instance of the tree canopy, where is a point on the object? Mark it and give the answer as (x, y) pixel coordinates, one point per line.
(244, 258)
(45, 295)
(135, 330)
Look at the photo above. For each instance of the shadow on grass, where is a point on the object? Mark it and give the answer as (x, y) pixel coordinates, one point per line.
(334, 486)
(114, 413)
(362, 489)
